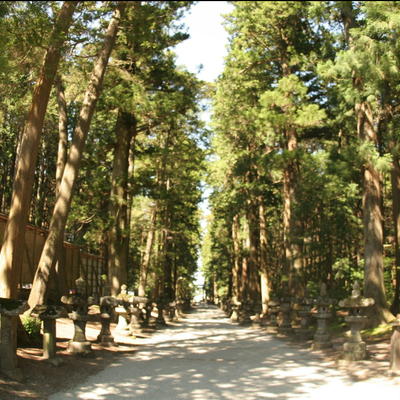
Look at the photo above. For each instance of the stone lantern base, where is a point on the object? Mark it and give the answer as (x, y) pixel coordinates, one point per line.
(354, 351)
(80, 348)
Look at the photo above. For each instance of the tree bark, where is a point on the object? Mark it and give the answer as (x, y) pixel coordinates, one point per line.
(64, 198)
(11, 254)
(372, 218)
(236, 262)
(60, 268)
(146, 259)
(118, 249)
(372, 214)
(292, 226)
(263, 257)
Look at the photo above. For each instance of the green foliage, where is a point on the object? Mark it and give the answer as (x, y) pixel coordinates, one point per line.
(32, 327)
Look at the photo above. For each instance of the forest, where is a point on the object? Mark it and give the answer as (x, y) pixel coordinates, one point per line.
(103, 145)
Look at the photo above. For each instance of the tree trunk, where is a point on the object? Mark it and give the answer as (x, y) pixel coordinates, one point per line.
(64, 198)
(244, 290)
(263, 257)
(146, 259)
(253, 270)
(14, 237)
(60, 268)
(372, 217)
(395, 176)
(292, 226)
(236, 255)
(118, 249)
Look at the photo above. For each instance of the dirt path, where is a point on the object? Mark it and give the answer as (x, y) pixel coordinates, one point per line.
(207, 357)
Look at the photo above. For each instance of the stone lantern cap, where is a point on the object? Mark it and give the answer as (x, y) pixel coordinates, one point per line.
(306, 300)
(124, 297)
(78, 299)
(12, 307)
(74, 300)
(395, 322)
(108, 301)
(49, 312)
(323, 299)
(356, 300)
(139, 299)
(274, 302)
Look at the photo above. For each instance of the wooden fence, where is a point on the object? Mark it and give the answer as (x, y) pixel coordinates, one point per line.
(78, 263)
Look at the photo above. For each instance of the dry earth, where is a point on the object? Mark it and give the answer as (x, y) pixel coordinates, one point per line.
(41, 379)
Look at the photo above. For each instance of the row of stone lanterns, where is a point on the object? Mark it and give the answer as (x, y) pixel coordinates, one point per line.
(354, 349)
(130, 320)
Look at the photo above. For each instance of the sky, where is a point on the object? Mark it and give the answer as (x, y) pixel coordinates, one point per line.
(208, 39)
(206, 46)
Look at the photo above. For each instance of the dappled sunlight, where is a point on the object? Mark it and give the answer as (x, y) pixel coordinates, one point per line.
(207, 358)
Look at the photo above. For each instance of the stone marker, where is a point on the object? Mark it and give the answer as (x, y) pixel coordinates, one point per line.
(286, 307)
(235, 312)
(48, 315)
(136, 313)
(305, 305)
(257, 311)
(395, 345)
(160, 309)
(322, 339)
(79, 345)
(273, 311)
(122, 310)
(355, 348)
(107, 304)
(247, 311)
(10, 310)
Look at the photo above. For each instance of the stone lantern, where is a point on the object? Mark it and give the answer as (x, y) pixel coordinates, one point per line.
(79, 345)
(322, 339)
(48, 315)
(285, 307)
(395, 345)
(235, 311)
(10, 310)
(355, 349)
(122, 310)
(107, 304)
(273, 311)
(247, 310)
(304, 309)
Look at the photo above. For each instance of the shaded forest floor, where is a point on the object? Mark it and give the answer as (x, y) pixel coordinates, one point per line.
(41, 379)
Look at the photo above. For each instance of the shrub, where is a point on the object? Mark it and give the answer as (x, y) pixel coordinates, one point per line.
(32, 326)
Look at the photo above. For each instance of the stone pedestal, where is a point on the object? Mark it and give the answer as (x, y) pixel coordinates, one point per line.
(160, 311)
(170, 311)
(79, 345)
(257, 312)
(107, 304)
(180, 308)
(48, 315)
(322, 339)
(304, 310)
(122, 328)
(285, 327)
(247, 311)
(355, 349)
(134, 325)
(10, 310)
(395, 345)
(148, 307)
(273, 311)
(235, 313)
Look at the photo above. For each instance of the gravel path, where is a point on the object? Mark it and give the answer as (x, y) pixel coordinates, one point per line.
(206, 357)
